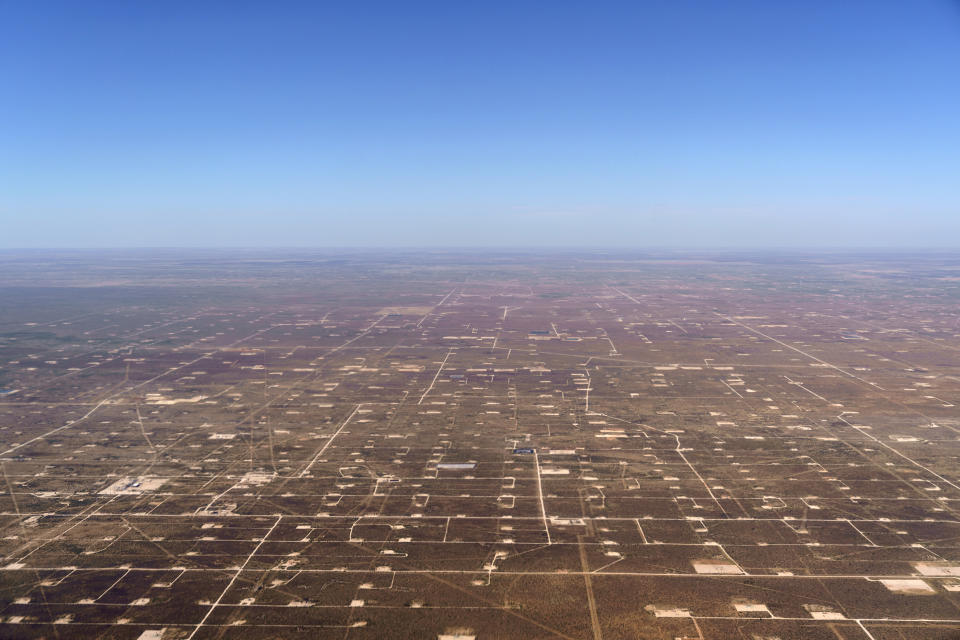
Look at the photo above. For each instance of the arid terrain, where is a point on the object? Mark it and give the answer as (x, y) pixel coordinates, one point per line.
(456, 445)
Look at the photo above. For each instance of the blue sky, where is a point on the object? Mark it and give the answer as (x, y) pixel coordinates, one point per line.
(633, 124)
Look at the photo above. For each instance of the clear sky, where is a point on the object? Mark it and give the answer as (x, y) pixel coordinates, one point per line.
(672, 123)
